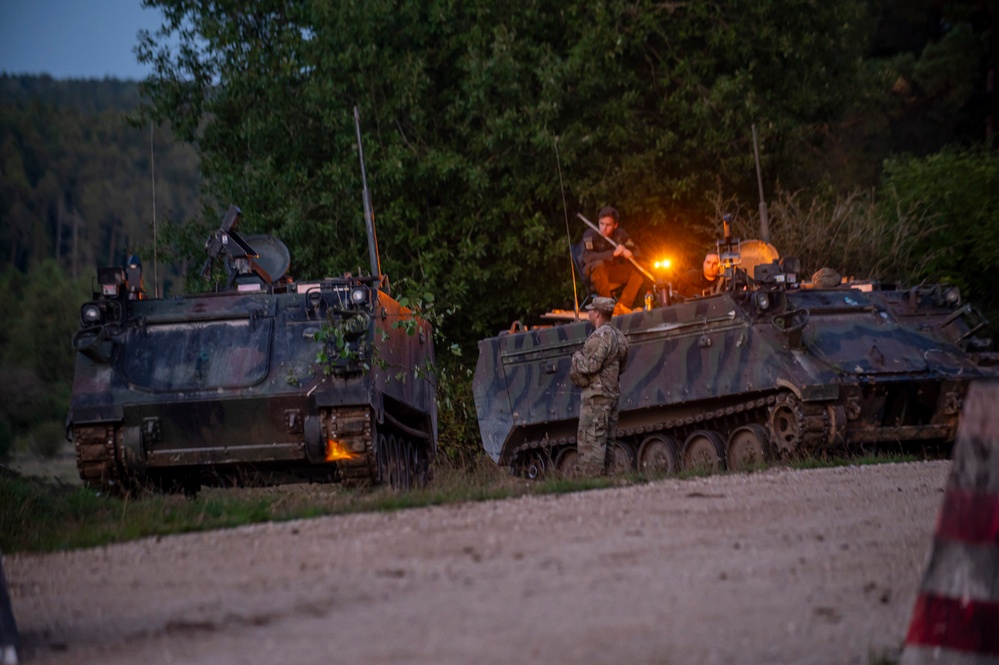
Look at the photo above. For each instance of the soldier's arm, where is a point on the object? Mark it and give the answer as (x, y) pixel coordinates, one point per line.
(591, 358)
(624, 239)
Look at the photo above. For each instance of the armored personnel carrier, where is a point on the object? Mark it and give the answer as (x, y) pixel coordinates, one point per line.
(263, 381)
(768, 367)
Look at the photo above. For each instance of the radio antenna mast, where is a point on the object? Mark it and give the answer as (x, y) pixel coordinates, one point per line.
(568, 238)
(152, 169)
(369, 216)
(764, 221)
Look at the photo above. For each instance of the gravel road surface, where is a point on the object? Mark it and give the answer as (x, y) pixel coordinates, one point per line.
(782, 566)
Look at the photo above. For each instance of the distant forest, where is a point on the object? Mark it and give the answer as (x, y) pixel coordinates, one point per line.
(76, 175)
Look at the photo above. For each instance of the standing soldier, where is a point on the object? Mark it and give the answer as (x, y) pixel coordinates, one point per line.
(596, 369)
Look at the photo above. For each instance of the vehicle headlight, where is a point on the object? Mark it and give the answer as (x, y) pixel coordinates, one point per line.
(762, 300)
(358, 295)
(952, 295)
(90, 314)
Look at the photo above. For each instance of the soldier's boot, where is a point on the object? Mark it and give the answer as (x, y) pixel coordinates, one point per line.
(630, 292)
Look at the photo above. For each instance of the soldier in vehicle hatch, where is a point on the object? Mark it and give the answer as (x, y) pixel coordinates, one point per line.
(608, 267)
(596, 368)
(697, 282)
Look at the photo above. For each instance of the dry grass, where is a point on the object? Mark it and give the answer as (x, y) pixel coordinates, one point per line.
(856, 233)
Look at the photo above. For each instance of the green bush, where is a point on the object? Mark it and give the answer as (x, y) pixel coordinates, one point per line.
(36, 356)
(47, 439)
(6, 438)
(957, 192)
(458, 442)
(25, 400)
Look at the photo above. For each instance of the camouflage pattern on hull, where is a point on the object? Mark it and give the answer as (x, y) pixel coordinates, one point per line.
(742, 376)
(226, 388)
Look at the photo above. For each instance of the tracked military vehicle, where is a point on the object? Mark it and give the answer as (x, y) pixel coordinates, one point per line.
(263, 381)
(766, 368)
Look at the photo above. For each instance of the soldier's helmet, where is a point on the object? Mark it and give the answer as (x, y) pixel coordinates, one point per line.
(601, 304)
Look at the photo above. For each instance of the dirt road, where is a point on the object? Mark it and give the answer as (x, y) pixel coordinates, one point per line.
(776, 567)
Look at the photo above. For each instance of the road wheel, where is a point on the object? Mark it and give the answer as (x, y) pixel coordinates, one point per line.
(704, 450)
(534, 464)
(659, 454)
(420, 465)
(623, 459)
(748, 447)
(396, 463)
(566, 462)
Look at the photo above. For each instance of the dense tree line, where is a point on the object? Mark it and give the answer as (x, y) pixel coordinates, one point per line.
(76, 181)
(649, 105)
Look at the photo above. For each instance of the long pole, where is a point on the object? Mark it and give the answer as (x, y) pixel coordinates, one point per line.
(152, 169)
(764, 221)
(369, 216)
(565, 211)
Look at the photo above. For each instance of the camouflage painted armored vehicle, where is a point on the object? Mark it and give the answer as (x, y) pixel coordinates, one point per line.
(765, 368)
(264, 381)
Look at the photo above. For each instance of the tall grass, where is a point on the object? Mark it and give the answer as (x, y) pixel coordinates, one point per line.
(458, 439)
(858, 233)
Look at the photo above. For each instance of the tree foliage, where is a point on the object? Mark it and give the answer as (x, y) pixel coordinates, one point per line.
(958, 190)
(41, 311)
(76, 176)
(461, 104)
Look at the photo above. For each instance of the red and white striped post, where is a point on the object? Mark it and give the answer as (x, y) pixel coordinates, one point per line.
(956, 616)
(8, 627)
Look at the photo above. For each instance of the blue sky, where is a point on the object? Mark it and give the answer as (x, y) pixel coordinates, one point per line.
(74, 38)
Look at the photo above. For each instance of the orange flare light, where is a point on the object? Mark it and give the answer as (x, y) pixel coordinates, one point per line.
(337, 451)
(663, 264)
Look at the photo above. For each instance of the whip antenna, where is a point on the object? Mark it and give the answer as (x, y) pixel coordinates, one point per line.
(764, 221)
(565, 211)
(369, 216)
(152, 169)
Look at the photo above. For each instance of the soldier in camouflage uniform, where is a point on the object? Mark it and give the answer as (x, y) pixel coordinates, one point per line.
(596, 369)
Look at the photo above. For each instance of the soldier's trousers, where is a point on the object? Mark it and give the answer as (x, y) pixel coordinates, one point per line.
(597, 423)
(610, 275)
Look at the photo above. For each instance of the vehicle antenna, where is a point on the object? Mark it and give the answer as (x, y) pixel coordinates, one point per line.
(152, 168)
(369, 216)
(568, 238)
(764, 222)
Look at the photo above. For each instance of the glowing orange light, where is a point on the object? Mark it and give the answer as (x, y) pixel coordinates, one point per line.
(663, 264)
(337, 451)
